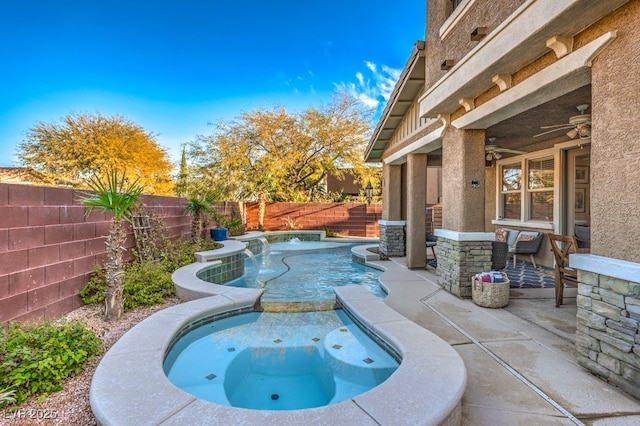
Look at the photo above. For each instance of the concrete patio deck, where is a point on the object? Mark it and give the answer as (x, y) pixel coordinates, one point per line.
(520, 359)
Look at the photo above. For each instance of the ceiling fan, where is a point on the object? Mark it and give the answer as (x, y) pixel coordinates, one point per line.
(494, 152)
(578, 125)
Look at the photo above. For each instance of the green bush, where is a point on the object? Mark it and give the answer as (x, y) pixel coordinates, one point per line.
(147, 283)
(95, 289)
(35, 359)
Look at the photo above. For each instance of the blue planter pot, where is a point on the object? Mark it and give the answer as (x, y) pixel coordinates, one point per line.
(218, 234)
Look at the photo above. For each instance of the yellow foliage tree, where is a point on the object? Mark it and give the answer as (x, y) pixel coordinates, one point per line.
(283, 156)
(81, 145)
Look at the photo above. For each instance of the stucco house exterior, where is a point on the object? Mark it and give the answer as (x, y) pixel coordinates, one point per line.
(529, 107)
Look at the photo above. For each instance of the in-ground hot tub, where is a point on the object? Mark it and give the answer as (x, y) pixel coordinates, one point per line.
(130, 386)
(278, 361)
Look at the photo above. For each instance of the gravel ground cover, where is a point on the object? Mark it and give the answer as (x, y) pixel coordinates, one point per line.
(71, 406)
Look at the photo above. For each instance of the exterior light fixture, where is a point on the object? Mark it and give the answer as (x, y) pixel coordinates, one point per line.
(368, 192)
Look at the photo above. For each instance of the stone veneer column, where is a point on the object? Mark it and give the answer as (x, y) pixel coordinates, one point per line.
(463, 248)
(460, 256)
(416, 210)
(392, 238)
(392, 233)
(608, 319)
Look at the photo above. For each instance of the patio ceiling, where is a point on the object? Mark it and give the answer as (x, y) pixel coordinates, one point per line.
(517, 132)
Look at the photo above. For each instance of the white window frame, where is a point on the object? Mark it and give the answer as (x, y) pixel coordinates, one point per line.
(524, 190)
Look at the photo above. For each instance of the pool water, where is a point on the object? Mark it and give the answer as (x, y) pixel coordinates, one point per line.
(278, 361)
(301, 271)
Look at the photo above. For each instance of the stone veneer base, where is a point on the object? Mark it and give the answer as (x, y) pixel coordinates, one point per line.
(458, 261)
(608, 319)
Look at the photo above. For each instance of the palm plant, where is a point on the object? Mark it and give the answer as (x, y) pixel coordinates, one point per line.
(7, 396)
(114, 193)
(197, 206)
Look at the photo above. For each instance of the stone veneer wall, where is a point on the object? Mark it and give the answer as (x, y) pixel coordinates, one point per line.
(608, 331)
(392, 240)
(458, 261)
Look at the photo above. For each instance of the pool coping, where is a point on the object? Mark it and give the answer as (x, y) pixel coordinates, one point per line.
(129, 385)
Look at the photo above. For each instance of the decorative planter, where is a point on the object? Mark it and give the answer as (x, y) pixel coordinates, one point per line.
(218, 234)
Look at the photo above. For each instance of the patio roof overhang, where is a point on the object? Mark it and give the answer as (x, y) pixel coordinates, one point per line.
(566, 75)
(514, 44)
(406, 90)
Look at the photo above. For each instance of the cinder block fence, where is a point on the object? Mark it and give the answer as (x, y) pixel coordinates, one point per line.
(49, 245)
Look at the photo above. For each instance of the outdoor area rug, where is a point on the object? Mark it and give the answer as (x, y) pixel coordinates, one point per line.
(524, 275)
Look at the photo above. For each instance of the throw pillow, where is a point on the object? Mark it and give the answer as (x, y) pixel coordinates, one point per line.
(501, 234)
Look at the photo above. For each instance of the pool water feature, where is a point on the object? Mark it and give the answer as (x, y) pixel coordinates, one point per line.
(278, 361)
(305, 272)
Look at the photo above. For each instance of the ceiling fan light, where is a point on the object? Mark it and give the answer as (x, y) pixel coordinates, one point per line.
(584, 132)
(497, 155)
(488, 157)
(572, 133)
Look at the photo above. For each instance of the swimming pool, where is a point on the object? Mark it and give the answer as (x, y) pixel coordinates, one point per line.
(306, 271)
(130, 386)
(278, 361)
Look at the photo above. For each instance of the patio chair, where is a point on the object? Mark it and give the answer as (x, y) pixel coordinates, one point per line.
(432, 242)
(562, 245)
(526, 243)
(583, 236)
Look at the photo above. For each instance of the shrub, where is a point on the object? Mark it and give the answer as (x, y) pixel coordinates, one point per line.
(146, 284)
(149, 282)
(35, 359)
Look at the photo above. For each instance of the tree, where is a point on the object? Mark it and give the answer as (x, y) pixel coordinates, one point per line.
(282, 156)
(115, 194)
(183, 174)
(197, 207)
(71, 151)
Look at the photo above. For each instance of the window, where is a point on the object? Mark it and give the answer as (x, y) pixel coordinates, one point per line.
(511, 196)
(540, 189)
(531, 200)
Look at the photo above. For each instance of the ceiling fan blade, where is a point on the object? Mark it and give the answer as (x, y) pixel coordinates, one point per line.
(551, 131)
(509, 151)
(567, 126)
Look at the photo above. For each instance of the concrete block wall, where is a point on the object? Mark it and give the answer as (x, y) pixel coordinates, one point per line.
(49, 246)
(352, 219)
(608, 329)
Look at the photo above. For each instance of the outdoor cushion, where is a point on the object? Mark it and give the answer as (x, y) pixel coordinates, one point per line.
(513, 234)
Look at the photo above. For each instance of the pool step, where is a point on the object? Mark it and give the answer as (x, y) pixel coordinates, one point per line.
(361, 364)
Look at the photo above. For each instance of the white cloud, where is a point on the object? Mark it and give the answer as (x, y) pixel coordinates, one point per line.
(374, 87)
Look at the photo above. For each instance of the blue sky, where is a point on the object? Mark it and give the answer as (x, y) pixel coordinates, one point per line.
(174, 66)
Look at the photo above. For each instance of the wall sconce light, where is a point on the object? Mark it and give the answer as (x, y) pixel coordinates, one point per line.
(478, 33)
(368, 192)
(447, 65)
